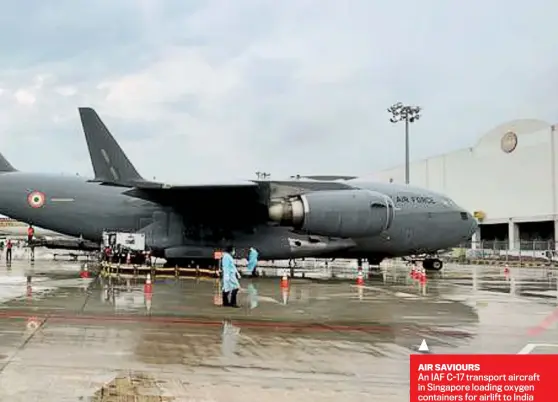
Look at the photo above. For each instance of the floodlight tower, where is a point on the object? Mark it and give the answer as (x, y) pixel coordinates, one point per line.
(408, 114)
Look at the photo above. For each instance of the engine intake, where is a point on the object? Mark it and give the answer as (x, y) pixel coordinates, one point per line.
(336, 213)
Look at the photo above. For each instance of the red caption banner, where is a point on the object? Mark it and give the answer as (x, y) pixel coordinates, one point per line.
(480, 378)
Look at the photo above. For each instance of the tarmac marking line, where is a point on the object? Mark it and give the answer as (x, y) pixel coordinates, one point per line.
(22, 345)
(528, 348)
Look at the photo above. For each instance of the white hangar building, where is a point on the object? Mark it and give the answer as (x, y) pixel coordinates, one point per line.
(508, 179)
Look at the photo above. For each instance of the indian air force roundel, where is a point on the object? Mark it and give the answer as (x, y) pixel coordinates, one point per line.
(36, 199)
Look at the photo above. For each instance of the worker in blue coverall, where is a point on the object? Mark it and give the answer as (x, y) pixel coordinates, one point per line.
(252, 261)
(230, 278)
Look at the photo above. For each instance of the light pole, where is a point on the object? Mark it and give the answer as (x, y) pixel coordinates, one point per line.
(408, 114)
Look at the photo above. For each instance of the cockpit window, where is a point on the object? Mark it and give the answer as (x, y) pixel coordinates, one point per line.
(448, 203)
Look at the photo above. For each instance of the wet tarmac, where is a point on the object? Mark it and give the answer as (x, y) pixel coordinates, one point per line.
(63, 338)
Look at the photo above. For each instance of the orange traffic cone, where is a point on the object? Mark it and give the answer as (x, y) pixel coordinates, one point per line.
(413, 272)
(360, 278)
(422, 277)
(506, 270)
(148, 287)
(284, 281)
(85, 273)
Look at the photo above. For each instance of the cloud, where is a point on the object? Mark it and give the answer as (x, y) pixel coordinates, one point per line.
(221, 89)
(67, 90)
(24, 97)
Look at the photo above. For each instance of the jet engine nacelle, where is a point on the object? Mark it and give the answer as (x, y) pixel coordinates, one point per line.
(336, 213)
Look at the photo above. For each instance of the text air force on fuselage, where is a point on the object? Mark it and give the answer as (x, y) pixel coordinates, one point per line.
(403, 199)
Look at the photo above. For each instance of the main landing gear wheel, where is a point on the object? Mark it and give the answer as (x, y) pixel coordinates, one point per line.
(432, 264)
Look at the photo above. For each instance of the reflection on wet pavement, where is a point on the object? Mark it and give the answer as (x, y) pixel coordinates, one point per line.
(66, 338)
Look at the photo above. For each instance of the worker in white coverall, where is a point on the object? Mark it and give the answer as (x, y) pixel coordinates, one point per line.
(230, 278)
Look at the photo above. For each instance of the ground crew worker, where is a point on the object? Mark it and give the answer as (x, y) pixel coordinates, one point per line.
(9, 250)
(252, 261)
(30, 233)
(230, 278)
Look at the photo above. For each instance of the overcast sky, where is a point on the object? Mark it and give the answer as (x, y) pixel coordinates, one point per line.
(221, 89)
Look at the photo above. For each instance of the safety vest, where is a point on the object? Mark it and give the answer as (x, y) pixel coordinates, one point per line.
(30, 232)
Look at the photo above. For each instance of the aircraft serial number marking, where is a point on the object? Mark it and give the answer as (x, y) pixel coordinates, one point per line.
(400, 199)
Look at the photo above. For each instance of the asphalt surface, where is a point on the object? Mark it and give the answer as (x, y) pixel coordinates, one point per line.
(63, 338)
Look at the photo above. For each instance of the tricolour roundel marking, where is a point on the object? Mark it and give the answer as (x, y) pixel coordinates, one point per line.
(36, 199)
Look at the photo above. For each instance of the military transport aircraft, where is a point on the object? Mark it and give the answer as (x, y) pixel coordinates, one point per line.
(188, 222)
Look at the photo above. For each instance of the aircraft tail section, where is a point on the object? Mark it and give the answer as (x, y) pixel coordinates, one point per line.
(6, 166)
(110, 163)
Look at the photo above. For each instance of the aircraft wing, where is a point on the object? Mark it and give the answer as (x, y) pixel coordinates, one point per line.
(152, 185)
(208, 201)
(112, 167)
(329, 177)
(200, 196)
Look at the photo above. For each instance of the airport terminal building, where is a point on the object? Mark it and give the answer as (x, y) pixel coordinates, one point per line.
(508, 179)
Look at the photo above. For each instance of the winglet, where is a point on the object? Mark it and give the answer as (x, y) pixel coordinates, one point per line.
(6, 166)
(110, 163)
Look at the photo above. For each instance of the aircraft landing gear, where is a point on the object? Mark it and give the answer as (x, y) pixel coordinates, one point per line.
(432, 264)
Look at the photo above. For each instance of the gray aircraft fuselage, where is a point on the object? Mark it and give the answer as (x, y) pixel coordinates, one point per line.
(423, 221)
